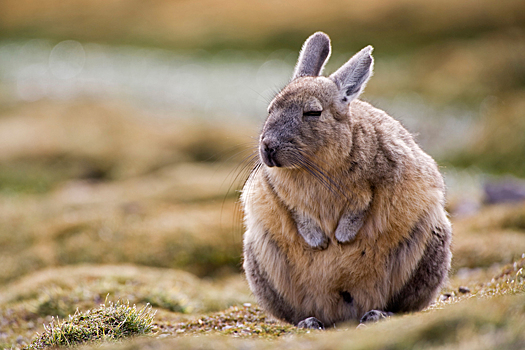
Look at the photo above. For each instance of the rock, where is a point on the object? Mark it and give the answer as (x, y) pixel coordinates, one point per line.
(466, 207)
(505, 190)
(463, 290)
(445, 296)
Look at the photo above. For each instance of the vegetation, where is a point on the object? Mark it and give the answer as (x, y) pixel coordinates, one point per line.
(478, 324)
(107, 323)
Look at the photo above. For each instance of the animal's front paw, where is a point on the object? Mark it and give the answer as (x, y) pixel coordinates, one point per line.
(375, 316)
(348, 226)
(311, 323)
(311, 232)
(316, 240)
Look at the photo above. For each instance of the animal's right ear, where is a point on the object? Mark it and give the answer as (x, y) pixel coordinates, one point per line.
(314, 54)
(352, 77)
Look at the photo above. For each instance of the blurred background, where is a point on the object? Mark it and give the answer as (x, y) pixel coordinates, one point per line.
(124, 124)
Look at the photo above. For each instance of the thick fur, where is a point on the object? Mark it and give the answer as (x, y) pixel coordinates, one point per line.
(345, 213)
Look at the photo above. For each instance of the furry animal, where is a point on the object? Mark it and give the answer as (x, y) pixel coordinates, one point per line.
(344, 212)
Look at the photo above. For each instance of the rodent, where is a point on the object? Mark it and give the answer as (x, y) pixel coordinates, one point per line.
(344, 212)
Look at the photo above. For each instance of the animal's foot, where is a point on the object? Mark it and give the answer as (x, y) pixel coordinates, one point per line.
(311, 232)
(311, 323)
(375, 316)
(348, 226)
(318, 241)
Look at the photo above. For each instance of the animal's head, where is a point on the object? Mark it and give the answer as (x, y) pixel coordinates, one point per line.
(309, 117)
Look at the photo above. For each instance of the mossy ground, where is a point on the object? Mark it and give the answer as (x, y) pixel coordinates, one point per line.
(470, 314)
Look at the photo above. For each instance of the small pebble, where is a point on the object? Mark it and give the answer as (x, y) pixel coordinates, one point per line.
(463, 290)
(445, 296)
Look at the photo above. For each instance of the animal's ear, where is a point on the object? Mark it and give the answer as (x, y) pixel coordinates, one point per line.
(352, 77)
(313, 56)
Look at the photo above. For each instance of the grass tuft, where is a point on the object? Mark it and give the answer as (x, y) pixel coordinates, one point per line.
(110, 322)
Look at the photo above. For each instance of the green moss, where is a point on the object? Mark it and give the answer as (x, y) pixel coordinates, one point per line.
(40, 174)
(54, 305)
(110, 322)
(168, 301)
(516, 222)
(26, 178)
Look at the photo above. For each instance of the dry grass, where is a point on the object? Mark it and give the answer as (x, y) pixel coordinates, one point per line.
(179, 298)
(490, 316)
(494, 236)
(152, 206)
(474, 324)
(209, 23)
(499, 146)
(94, 140)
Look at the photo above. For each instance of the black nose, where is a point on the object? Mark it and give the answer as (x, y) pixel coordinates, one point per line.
(268, 154)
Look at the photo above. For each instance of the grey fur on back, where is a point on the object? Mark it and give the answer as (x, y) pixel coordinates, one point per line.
(344, 213)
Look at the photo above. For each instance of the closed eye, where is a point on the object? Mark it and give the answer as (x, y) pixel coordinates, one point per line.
(312, 113)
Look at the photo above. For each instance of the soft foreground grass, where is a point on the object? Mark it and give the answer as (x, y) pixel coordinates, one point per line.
(477, 315)
(474, 324)
(489, 313)
(176, 296)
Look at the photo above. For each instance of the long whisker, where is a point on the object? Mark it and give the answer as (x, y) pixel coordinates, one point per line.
(319, 176)
(242, 164)
(241, 171)
(333, 186)
(256, 166)
(234, 151)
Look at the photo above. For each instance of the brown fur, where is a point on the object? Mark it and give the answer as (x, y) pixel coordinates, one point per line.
(371, 165)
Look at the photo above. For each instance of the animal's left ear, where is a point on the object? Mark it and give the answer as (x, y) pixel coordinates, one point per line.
(352, 77)
(314, 54)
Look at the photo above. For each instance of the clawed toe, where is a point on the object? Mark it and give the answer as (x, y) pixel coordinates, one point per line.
(375, 316)
(311, 323)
